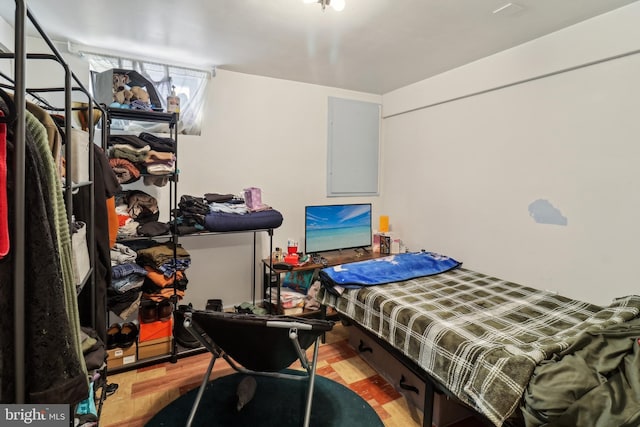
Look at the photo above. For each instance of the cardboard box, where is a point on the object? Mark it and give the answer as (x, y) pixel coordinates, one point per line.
(155, 330)
(153, 348)
(121, 356)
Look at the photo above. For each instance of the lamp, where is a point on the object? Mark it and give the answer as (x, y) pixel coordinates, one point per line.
(337, 5)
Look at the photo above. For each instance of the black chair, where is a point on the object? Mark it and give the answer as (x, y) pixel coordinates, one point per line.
(262, 345)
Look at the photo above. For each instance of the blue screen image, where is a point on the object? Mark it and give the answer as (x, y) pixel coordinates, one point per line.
(333, 227)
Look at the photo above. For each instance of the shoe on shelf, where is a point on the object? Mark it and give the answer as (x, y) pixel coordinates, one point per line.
(148, 311)
(165, 309)
(214, 305)
(113, 334)
(180, 333)
(128, 335)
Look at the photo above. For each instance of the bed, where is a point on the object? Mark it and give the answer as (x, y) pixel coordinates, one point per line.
(479, 338)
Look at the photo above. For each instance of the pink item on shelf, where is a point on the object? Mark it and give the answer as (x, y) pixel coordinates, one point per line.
(253, 197)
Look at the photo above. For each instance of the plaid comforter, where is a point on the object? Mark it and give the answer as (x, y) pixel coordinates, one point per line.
(479, 336)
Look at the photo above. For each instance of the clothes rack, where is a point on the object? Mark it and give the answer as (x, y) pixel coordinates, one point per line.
(18, 242)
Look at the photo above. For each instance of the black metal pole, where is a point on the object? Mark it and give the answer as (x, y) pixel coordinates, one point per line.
(19, 203)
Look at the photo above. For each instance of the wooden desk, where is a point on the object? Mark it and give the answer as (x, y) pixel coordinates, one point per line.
(333, 258)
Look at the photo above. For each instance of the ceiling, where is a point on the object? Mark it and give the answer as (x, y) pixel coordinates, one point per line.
(372, 46)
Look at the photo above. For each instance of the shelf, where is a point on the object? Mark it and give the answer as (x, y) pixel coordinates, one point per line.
(140, 115)
(135, 238)
(214, 233)
(168, 237)
(171, 175)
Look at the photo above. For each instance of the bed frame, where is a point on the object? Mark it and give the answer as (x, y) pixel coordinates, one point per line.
(422, 392)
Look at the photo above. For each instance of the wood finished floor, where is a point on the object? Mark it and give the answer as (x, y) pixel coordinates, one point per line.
(145, 391)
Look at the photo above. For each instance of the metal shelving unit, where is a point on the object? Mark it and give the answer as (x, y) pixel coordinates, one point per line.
(172, 120)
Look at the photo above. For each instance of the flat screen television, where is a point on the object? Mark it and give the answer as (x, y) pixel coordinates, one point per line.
(333, 227)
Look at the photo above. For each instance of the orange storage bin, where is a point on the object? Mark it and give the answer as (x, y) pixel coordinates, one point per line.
(155, 330)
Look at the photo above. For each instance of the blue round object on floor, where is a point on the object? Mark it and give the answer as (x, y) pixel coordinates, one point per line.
(277, 402)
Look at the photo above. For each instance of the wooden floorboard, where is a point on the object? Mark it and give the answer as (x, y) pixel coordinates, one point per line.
(145, 391)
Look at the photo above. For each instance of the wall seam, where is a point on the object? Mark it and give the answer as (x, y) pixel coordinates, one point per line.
(516, 83)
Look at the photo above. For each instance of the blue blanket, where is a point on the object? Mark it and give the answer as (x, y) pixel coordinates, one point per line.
(393, 268)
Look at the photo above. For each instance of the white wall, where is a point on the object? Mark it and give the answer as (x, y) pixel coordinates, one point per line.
(6, 35)
(260, 132)
(257, 131)
(458, 177)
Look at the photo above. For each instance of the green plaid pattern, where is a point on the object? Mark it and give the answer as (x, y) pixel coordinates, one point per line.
(479, 336)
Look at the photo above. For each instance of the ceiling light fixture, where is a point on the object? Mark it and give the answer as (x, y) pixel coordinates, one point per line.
(337, 5)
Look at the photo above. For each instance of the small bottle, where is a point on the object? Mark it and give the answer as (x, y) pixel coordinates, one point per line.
(173, 102)
(277, 255)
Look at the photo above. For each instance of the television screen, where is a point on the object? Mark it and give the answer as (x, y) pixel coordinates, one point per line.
(333, 227)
